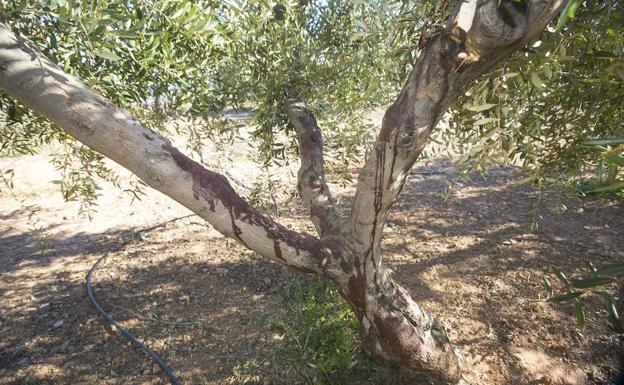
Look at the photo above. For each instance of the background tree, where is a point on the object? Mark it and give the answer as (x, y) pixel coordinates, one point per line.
(340, 57)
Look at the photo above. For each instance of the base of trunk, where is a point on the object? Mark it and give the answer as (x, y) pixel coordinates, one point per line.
(395, 374)
(396, 329)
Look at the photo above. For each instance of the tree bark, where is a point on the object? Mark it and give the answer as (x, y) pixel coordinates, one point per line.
(39, 84)
(311, 179)
(479, 34)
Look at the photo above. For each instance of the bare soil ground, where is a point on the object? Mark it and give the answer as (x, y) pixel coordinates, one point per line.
(206, 305)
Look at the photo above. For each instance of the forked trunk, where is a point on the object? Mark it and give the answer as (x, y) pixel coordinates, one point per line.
(394, 328)
(480, 33)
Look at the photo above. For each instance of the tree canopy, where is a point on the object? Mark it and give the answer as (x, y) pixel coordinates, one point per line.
(163, 58)
(542, 104)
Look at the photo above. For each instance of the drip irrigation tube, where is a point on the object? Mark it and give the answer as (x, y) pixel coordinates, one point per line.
(135, 341)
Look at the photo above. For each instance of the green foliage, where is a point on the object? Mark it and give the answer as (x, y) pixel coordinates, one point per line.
(190, 61)
(6, 178)
(193, 60)
(321, 343)
(538, 108)
(607, 177)
(597, 282)
(77, 164)
(21, 132)
(569, 12)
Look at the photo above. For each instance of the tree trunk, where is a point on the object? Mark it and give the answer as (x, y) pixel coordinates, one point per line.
(395, 328)
(348, 250)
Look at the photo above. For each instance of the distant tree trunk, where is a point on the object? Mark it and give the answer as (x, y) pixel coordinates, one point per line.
(348, 250)
(158, 107)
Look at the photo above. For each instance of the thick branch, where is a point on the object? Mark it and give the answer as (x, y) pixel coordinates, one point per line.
(311, 178)
(35, 81)
(448, 64)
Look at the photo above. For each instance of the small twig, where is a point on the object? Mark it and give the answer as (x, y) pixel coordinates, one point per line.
(146, 318)
(428, 172)
(164, 223)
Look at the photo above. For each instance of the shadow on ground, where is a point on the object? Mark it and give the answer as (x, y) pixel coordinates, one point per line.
(206, 305)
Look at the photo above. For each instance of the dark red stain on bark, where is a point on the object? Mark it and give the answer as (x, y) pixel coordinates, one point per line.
(401, 342)
(276, 247)
(212, 187)
(398, 338)
(312, 177)
(357, 293)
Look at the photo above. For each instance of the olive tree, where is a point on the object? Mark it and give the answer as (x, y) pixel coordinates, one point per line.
(477, 35)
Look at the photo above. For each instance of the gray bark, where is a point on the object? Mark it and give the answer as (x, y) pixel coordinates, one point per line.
(479, 34)
(39, 84)
(448, 64)
(311, 179)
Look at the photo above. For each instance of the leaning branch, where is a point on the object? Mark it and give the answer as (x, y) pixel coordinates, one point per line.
(311, 179)
(31, 78)
(479, 34)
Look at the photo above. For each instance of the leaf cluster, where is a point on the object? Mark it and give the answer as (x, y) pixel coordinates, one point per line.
(597, 282)
(179, 65)
(542, 104)
(173, 61)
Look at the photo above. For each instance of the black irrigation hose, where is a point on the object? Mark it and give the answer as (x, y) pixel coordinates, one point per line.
(165, 368)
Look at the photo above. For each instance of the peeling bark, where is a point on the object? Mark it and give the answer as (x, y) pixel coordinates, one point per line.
(446, 66)
(39, 84)
(479, 34)
(311, 179)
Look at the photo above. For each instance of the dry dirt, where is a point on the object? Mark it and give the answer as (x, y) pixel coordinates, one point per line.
(473, 260)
